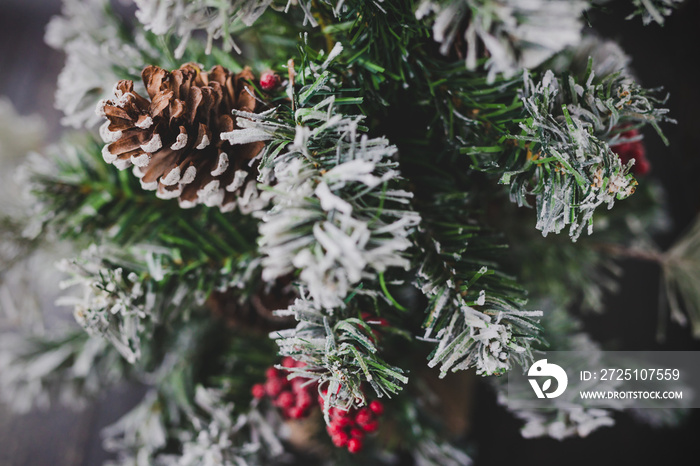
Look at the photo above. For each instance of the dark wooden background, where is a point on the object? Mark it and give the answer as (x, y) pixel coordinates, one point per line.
(662, 56)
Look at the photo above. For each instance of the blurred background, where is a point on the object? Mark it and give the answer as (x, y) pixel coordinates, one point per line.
(29, 69)
(661, 56)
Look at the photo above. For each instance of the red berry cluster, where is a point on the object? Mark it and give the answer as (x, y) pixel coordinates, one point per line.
(269, 81)
(633, 150)
(348, 428)
(293, 397)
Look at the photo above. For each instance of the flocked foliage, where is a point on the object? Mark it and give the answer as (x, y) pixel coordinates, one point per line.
(516, 35)
(98, 51)
(560, 151)
(476, 315)
(69, 369)
(339, 189)
(654, 10)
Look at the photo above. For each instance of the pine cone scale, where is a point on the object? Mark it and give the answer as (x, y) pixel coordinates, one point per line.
(159, 165)
(128, 143)
(153, 78)
(160, 103)
(116, 112)
(226, 123)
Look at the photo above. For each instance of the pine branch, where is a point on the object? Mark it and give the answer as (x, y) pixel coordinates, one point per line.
(428, 446)
(127, 295)
(221, 20)
(158, 431)
(516, 36)
(335, 222)
(475, 314)
(102, 48)
(339, 352)
(86, 200)
(69, 369)
(582, 273)
(562, 155)
(338, 212)
(339, 219)
(654, 10)
(99, 51)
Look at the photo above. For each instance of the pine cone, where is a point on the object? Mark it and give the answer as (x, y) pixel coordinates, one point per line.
(173, 140)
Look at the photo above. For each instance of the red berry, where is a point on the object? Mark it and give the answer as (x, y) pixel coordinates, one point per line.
(343, 421)
(285, 400)
(304, 400)
(288, 362)
(274, 387)
(354, 445)
(298, 386)
(642, 166)
(269, 80)
(340, 439)
(258, 390)
(364, 416)
(636, 150)
(273, 373)
(296, 412)
(333, 429)
(357, 433)
(371, 427)
(377, 407)
(632, 150)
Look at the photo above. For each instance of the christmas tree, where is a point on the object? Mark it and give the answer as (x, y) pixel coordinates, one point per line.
(308, 226)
